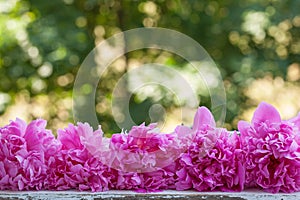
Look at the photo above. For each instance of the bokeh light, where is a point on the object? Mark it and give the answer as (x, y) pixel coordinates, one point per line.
(256, 45)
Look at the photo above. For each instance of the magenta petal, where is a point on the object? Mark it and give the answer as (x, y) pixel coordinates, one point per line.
(266, 112)
(187, 159)
(18, 127)
(12, 168)
(20, 185)
(241, 175)
(32, 134)
(243, 127)
(4, 180)
(69, 137)
(203, 117)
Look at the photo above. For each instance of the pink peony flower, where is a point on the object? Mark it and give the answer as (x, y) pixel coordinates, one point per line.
(24, 151)
(143, 158)
(143, 149)
(214, 159)
(272, 151)
(76, 165)
(205, 158)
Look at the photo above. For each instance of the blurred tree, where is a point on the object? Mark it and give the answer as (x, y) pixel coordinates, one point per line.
(43, 43)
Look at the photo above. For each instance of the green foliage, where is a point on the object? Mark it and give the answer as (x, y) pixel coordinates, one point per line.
(42, 44)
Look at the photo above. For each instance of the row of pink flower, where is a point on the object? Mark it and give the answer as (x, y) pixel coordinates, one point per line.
(265, 155)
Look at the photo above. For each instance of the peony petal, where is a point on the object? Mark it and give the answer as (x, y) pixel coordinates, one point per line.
(187, 159)
(20, 184)
(203, 117)
(294, 146)
(241, 175)
(243, 128)
(11, 168)
(4, 180)
(266, 112)
(182, 131)
(69, 138)
(18, 127)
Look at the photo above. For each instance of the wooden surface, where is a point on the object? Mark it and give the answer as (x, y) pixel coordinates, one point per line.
(168, 194)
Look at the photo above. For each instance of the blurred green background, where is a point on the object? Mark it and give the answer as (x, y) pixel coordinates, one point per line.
(255, 44)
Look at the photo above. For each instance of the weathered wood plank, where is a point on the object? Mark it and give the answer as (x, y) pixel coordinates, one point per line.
(168, 194)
